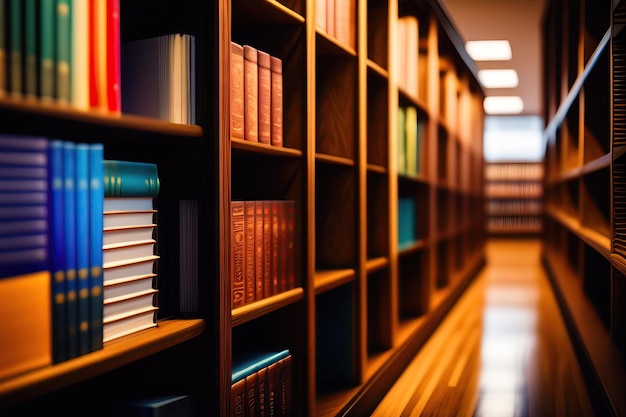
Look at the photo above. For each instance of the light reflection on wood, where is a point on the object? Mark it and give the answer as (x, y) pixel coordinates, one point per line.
(502, 351)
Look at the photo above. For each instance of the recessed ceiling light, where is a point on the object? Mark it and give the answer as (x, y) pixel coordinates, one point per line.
(497, 50)
(498, 78)
(503, 105)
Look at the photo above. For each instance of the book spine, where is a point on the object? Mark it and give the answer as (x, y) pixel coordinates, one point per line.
(411, 140)
(291, 240)
(249, 209)
(80, 54)
(16, 45)
(101, 51)
(238, 283)
(251, 94)
(262, 409)
(345, 22)
(237, 398)
(275, 246)
(283, 256)
(3, 50)
(265, 88)
(286, 403)
(56, 244)
(71, 285)
(251, 393)
(273, 389)
(64, 51)
(113, 56)
(130, 179)
(401, 140)
(96, 273)
(276, 97)
(30, 50)
(320, 15)
(93, 63)
(82, 245)
(267, 248)
(47, 54)
(258, 250)
(236, 91)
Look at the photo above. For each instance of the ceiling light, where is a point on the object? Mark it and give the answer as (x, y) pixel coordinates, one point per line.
(498, 78)
(489, 50)
(503, 105)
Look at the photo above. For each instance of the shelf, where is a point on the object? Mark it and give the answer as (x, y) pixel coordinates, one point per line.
(265, 306)
(115, 354)
(261, 148)
(327, 280)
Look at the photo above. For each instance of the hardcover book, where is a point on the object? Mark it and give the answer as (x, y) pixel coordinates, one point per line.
(119, 271)
(131, 285)
(258, 250)
(71, 282)
(126, 304)
(236, 91)
(47, 54)
(63, 51)
(276, 66)
(265, 88)
(80, 54)
(238, 241)
(250, 270)
(82, 246)
(30, 49)
(96, 226)
(124, 325)
(16, 70)
(251, 94)
(130, 179)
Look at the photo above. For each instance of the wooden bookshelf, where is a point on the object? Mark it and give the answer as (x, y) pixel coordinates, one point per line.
(513, 198)
(582, 234)
(363, 302)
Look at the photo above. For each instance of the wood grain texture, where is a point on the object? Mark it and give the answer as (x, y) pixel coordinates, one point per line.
(502, 350)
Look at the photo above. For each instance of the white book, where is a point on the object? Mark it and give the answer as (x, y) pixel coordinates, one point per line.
(127, 251)
(117, 272)
(128, 204)
(125, 325)
(127, 286)
(114, 219)
(126, 304)
(115, 235)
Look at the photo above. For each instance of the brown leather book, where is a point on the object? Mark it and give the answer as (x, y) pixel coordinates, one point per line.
(249, 273)
(237, 253)
(251, 93)
(236, 91)
(277, 101)
(265, 84)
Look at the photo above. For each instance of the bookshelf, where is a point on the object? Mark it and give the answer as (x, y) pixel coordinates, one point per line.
(513, 198)
(582, 223)
(362, 301)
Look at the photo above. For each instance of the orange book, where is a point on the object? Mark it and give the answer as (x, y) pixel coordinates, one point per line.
(276, 101)
(236, 91)
(265, 80)
(237, 253)
(258, 250)
(249, 269)
(251, 93)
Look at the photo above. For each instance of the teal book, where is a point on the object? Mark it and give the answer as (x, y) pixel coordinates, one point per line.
(130, 179)
(251, 362)
(3, 52)
(30, 49)
(96, 227)
(82, 245)
(16, 47)
(161, 406)
(64, 51)
(47, 51)
(71, 282)
(407, 215)
(57, 250)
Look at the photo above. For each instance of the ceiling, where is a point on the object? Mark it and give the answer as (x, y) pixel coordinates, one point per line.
(519, 21)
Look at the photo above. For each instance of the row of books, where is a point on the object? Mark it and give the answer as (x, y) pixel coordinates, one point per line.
(256, 95)
(159, 78)
(53, 259)
(261, 384)
(523, 223)
(514, 189)
(62, 51)
(410, 131)
(337, 18)
(262, 249)
(407, 221)
(514, 171)
(513, 206)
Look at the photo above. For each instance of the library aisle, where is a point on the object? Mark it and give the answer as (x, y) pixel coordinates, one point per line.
(502, 351)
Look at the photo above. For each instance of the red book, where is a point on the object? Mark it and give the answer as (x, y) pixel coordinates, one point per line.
(250, 403)
(238, 398)
(258, 250)
(251, 93)
(249, 270)
(265, 84)
(267, 248)
(113, 56)
(236, 91)
(94, 66)
(237, 254)
(291, 238)
(283, 255)
(275, 245)
(276, 66)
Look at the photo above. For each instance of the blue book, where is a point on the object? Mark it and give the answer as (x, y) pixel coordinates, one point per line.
(56, 250)
(130, 179)
(35, 144)
(71, 282)
(96, 217)
(251, 362)
(82, 245)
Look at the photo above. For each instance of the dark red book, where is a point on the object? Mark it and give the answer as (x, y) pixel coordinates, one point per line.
(276, 65)
(265, 88)
(258, 250)
(249, 270)
(237, 254)
(267, 248)
(251, 94)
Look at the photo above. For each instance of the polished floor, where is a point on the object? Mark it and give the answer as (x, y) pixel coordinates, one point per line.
(503, 351)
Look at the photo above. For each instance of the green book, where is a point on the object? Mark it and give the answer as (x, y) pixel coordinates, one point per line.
(16, 66)
(47, 52)
(401, 140)
(30, 49)
(130, 179)
(411, 141)
(64, 51)
(3, 52)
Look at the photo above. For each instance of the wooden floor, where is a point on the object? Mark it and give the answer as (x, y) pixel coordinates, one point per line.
(502, 351)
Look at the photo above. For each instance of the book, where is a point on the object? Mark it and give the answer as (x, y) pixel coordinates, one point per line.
(124, 325)
(96, 227)
(113, 56)
(401, 140)
(82, 237)
(291, 241)
(276, 66)
(406, 221)
(80, 54)
(345, 22)
(267, 248)
(259, 278)
(127, 303)
(47, 52)
(251, 362)
(71, 282)
(236, 91)
(25, 305)
(116, 235)
(251, 94)
(275, 247)
(237, 254)
(158, 406)
(16, 68)
(100, 50)
(140, 203)
(262, 395)
(63, 51)
(3, 51)
(283, 273)
(120, 271)
(249, 255)
(238, 398)
(130, 218)
(250, 396)
(130, 285)
(30, 49)
(320, 15)
(411, 140)
(130, 178)
(264, 93)
(117, 252)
